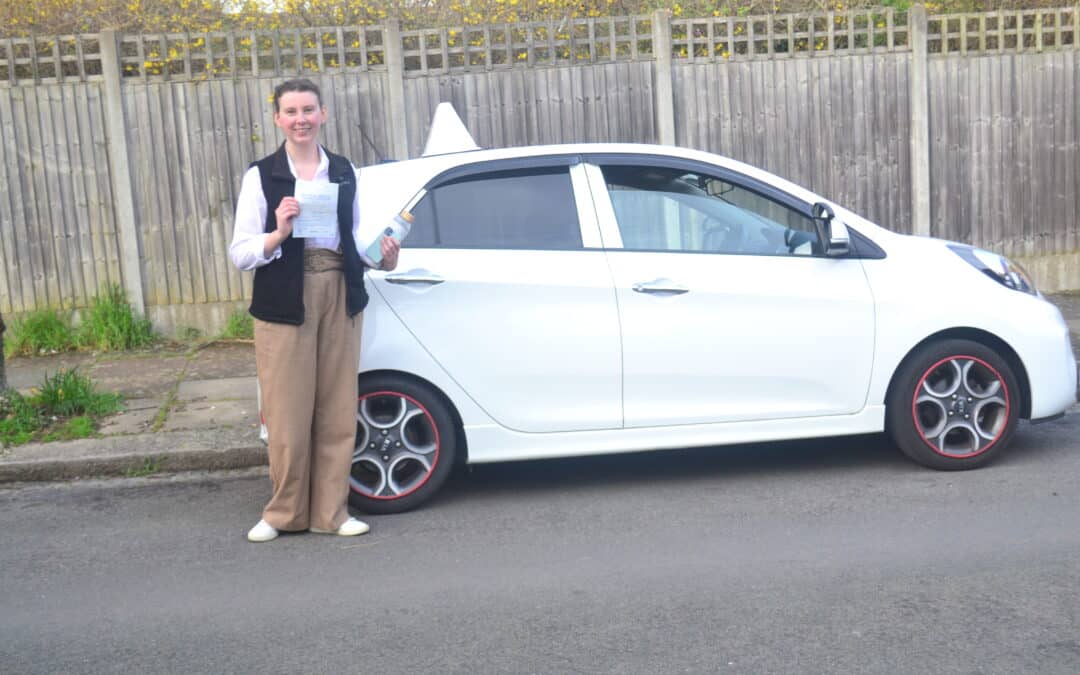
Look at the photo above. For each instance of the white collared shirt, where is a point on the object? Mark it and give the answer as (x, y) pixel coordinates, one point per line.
(249, 228)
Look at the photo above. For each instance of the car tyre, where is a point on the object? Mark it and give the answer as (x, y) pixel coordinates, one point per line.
(954, 405)
(405, 446)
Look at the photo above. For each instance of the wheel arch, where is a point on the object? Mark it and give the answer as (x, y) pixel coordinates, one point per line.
(459, 427)
(984, 338)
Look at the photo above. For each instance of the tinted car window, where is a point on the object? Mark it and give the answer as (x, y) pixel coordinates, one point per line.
(670, 209)
(522, 209)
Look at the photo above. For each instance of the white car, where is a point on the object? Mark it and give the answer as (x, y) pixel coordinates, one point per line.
(600, 298)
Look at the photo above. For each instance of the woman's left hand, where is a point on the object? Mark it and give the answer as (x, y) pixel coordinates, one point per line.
(390, 249)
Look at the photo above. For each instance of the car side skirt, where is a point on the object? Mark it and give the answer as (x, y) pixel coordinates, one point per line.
(492, 443)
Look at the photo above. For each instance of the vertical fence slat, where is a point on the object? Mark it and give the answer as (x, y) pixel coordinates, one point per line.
(9, 47)
(831, 47)
(339, 36)
(186, 51)
(230, 46)
(58, 66)
(13, 298)
(276, 47)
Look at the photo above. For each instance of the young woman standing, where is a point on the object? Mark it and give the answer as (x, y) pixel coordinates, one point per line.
(307, 300)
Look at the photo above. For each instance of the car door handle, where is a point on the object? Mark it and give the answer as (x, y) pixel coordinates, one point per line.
(660, 286)
(414, 277)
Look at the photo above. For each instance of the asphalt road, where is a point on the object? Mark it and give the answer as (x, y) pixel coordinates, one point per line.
(831, 556)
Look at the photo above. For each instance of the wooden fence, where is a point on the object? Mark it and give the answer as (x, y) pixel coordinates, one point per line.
(122, 154)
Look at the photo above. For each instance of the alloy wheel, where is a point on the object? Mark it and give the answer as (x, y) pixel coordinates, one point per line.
(961, 406)
(397, 446)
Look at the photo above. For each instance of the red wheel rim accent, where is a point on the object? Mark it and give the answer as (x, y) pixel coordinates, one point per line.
(919, 387)
(435, 455)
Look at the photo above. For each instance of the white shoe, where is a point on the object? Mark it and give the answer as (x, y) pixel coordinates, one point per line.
(350, 528)
(263, 531)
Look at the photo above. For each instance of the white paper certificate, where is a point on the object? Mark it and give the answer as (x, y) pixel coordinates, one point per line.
(318, 209)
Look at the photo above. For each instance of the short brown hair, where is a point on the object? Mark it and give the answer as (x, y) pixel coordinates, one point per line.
(295, 84)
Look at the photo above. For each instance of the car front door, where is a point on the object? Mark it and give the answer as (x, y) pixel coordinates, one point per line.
(504, 282)
(728, 309)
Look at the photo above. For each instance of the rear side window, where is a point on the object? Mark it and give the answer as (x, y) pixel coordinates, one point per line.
(519, 209)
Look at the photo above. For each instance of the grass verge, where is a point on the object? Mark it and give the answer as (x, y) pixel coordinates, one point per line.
(108, 324)
(45, 331)
(240, 326)
(66, 406)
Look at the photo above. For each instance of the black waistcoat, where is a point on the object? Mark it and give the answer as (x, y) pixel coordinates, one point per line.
(278, 289)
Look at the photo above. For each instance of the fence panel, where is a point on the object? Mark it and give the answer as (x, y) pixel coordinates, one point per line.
(839, 125)
(1004, 152)
(57, 234)
(565, 104)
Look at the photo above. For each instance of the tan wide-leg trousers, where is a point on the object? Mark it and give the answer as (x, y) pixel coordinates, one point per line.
(307, 374)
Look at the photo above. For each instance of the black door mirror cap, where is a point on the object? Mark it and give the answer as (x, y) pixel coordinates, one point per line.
(832, 232)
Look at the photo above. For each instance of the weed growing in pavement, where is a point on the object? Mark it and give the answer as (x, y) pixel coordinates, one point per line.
(19, 418)
(110, 323)
(69, 393)
(163, 412)
(45, 331)
(150, 466)
(66, 406)
(188, 334)
(76, 427)
(240, 326)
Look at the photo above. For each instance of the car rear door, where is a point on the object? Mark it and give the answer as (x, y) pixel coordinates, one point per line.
(504, 282)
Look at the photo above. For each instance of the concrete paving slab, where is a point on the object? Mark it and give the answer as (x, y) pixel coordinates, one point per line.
(24, 373)
(222, 359)
(137, 376)
(231, 388)
(212, 414)
(135, 421)
(132, 404)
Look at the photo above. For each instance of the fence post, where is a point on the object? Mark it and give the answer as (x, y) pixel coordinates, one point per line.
(395, 72)
(662, 91)
(920, 122)
(119, 172)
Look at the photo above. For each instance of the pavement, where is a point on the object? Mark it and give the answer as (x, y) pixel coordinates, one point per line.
(187, 407)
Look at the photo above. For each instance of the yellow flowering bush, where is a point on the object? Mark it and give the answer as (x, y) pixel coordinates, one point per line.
(206, 38)
(61, 17)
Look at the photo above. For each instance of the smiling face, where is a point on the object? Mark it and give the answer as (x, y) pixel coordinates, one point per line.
(300, 116)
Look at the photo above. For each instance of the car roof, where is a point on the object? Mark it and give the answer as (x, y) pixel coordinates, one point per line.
(386, 188)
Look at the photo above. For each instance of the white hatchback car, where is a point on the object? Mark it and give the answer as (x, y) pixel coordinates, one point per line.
(599, 298)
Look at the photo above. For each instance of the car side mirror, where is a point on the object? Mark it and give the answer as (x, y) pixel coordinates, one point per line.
(831, 230)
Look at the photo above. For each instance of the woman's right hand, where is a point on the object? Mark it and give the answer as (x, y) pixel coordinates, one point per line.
(288, 209)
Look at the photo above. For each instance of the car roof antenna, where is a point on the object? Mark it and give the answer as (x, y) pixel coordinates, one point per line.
(374, 147)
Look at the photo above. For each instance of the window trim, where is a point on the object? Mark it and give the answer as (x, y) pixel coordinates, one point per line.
(496, 165)
(861, 246)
